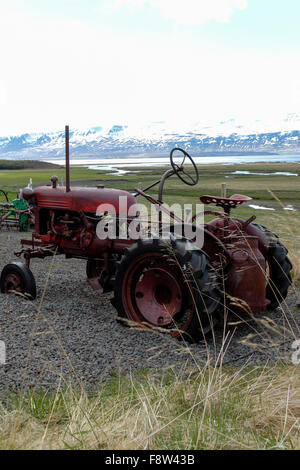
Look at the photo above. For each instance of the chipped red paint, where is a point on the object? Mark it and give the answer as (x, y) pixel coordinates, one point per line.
(246, 278)
(79, 199)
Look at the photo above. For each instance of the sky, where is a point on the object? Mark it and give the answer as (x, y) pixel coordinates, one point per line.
(104, 62)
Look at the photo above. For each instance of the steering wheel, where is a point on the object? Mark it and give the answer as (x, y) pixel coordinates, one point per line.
(190, 179)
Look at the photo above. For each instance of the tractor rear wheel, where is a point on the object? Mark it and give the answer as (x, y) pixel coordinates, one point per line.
(17, 278)
(167, 285)
(280, 268)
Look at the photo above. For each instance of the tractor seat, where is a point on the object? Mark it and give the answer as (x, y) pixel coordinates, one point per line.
(233, 201)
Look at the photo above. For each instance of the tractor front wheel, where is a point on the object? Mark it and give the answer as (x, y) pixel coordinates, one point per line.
(16, 278)
(167, 285)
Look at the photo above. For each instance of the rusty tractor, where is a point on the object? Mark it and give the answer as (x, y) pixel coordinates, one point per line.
(166, 283)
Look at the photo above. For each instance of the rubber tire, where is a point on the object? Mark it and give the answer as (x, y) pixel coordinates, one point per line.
(280, 267)
(198, 272)
(29, 285)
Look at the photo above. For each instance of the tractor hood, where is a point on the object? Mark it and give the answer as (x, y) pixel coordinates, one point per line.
(79, 199)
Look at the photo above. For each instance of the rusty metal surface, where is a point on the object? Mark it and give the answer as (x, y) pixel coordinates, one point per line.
(12, 283)
(246, 278)
(245, 271)
(233, 201)
(86, 199)
(154, 293)
(95, 284)
(158, 295)
(67, 139)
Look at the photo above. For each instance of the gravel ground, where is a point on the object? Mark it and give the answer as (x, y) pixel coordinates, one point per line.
(75, 337)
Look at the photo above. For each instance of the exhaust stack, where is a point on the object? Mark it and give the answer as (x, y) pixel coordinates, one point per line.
(67, 136)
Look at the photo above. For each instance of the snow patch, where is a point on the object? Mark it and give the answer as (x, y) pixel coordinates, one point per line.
(254, 206)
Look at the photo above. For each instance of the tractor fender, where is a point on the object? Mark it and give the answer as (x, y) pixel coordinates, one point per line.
(250, 230)
(263, 241)
(212, 246)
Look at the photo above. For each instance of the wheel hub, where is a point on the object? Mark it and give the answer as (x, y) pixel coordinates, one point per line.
(12, 283)
(158, 296)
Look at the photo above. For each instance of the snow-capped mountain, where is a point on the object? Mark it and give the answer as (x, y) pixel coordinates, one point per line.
(157, 139)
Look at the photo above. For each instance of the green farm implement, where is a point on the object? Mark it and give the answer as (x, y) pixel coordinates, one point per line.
(15, 214)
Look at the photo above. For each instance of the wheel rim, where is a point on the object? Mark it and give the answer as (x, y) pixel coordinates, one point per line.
(13, 283)
(154, 294)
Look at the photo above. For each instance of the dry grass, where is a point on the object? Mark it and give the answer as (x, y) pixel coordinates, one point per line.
(250, 408)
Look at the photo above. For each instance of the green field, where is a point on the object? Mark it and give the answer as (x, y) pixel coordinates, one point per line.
(287, 188)
(273, 191)
(211, 176)
(11, 180)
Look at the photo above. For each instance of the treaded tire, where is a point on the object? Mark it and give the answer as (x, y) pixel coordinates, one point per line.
(197, 276)
(280, 269)
(21, 277)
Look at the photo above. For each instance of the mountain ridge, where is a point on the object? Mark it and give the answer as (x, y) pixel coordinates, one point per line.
(119, 140)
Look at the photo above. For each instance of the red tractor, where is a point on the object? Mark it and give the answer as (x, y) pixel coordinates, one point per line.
(165, 283)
